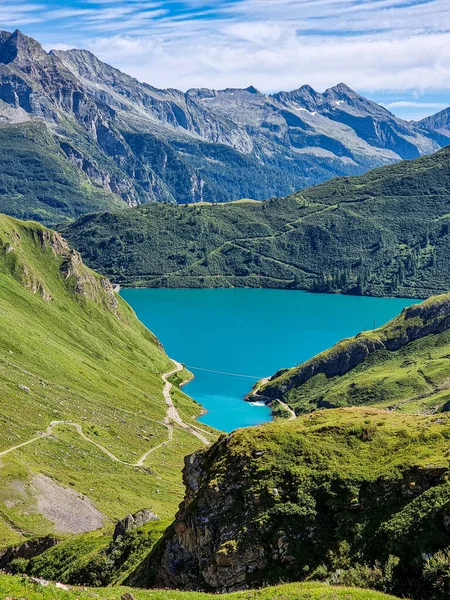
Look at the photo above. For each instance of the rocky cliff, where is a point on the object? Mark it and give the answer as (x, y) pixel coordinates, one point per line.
(311, 498)
(14, 251)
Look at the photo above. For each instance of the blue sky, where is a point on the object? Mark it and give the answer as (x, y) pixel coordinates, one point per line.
(394, 51)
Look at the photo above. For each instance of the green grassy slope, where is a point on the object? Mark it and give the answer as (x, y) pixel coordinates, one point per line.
(402, 365)
(38, 182)
(72, 350)
(28, 590)
(351, 496)
(386, 232)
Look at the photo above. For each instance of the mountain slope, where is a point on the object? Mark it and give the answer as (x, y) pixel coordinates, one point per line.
(439, 122)
(38, 182)
(144, 144)
(350, 495)
(382, 233)
(403, 366)
(82, 388)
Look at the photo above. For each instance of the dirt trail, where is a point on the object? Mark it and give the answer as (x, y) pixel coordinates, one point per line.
(172, 413)
(172, 416)
(283, 404)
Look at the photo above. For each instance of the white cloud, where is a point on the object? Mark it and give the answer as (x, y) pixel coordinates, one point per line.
(366, 62)
(370, 44)
(410, 104)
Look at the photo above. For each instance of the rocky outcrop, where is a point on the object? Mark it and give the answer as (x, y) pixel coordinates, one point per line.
(255, 516)
(85, 283)
(133, 522)
(27, 550)
(82, 281)
(429, 318)
(55, 241)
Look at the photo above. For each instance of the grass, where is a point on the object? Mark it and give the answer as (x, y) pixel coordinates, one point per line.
(347, 496)
(95, 559)
(389, 368)
(37, 181)
(81, 356)
(382, 233)
(17, 587)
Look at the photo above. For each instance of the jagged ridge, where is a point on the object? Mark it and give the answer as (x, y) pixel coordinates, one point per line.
(143, 144)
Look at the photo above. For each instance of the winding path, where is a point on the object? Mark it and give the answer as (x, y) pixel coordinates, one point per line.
(172, 416)
(283, 404)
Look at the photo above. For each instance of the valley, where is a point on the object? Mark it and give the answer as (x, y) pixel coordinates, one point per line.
(224, 325)
(384, 233)
(236, 332)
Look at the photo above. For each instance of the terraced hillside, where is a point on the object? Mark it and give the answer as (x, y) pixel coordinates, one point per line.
(86, 418)
(383, 233)
(403, 365)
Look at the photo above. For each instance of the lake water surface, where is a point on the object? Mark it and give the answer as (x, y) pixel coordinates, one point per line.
(247, 334)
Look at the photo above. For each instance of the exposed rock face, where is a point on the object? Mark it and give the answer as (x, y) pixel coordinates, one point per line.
(146, 144)
(133, 521)
(439, 122)
(84, 282)
(68, 510)
(55, 241)
(415, 322)
(252, 517)
(27, 550)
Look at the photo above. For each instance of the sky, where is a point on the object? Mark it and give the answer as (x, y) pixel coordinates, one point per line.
(396, 52)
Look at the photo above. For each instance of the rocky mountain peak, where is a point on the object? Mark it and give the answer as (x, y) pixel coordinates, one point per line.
(439, 122)
(82, 63)
(252, 90)
(20, 48)
(305, 96)
(343, 88)
(342, 92)
(200, 93)
(4, 35)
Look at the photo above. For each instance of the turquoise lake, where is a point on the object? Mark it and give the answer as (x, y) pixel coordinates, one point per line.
(247, 334)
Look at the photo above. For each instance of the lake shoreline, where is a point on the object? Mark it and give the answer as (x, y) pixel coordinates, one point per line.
(237, 337)
(414, 295)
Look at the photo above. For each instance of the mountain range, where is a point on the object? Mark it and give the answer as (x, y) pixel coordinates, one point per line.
(121, 142)
(384, 233)
(349, 485)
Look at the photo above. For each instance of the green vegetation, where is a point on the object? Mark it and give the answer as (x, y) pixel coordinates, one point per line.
(19, 587)
(80, 379)
(93, 559)
(383, 233)
(402, 365)
(37, 181)
(351, 496)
